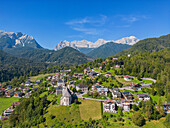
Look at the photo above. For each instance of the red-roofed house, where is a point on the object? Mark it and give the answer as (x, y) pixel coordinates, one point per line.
(127, 78)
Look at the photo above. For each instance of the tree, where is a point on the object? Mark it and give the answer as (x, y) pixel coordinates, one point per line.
(167, 121)
(160, 107)
(135, 107)
(120, 112)
(138, 119)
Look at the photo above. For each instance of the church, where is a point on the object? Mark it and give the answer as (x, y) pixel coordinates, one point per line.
(66, 98)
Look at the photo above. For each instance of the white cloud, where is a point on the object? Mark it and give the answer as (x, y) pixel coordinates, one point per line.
(88, 25)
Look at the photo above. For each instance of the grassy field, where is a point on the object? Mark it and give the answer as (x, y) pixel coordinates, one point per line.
(85, 95)
(156, 98)
(6, 102)
(34, 78)
(67, 114)
(155, 124)
(90, 109)
(121, 80)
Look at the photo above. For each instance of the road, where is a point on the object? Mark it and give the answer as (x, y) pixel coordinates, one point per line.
(80, 96)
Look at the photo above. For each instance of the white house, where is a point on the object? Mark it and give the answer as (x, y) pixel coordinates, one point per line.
(109, 106)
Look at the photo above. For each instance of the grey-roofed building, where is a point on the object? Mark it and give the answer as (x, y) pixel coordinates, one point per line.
(102, 91)
(66, 99)
(59, 90)
(116, 93)
(83, 88)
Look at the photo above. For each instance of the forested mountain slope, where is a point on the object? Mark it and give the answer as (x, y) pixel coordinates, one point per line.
(14, 67)
(148, 45)
(65, 56)
(107, 49)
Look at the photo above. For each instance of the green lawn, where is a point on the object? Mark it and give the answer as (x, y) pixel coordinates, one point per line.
(90, 109)
(85, 95)
(156, 98)
(66, 114)
(121, 80)
(40, 76)
(6, 102)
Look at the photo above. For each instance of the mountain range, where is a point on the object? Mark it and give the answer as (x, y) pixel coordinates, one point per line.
(84, 44)
(14, 40)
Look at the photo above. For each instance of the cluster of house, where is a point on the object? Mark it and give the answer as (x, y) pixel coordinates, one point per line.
(23, 91)
(9, 110)
(125, 101)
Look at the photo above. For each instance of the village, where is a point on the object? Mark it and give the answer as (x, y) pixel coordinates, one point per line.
(72, 87)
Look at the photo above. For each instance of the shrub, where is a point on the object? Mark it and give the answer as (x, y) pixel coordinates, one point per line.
(138, 119)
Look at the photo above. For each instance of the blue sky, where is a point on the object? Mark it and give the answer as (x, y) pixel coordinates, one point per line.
(50, 21)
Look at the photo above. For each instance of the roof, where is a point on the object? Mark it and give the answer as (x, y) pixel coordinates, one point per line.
(66, 93)
(143, 95)
(109, 101)
(102, 89)
(82, 86)
(59, 88)
(15, 103)
(126, 76)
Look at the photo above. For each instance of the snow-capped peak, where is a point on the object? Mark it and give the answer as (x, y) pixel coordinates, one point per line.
(87, 44)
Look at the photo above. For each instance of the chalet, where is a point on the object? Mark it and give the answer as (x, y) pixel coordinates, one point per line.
(114, 59)
(18, 94)
(9, 87)
(116, 66)
(95, 87)
(108, 74)
(92, 74)
(9, 93)
(126, 106)
(144, 97)
(77, 74)
(66, 98)
(26, 89)
(135, 86)
(38, 81)
(127, 95)
(109, 106)
(116, 94)
(28, 83)
(123, 104)
(102, 91)
(59, 90)
(87, 70)
(166, 107)
(8, 112)
(127, 78)
(67, 70)
(83, 88)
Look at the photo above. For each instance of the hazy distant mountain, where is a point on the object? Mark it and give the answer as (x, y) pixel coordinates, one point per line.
(13, 40)
(87, 44)
(107, 49)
